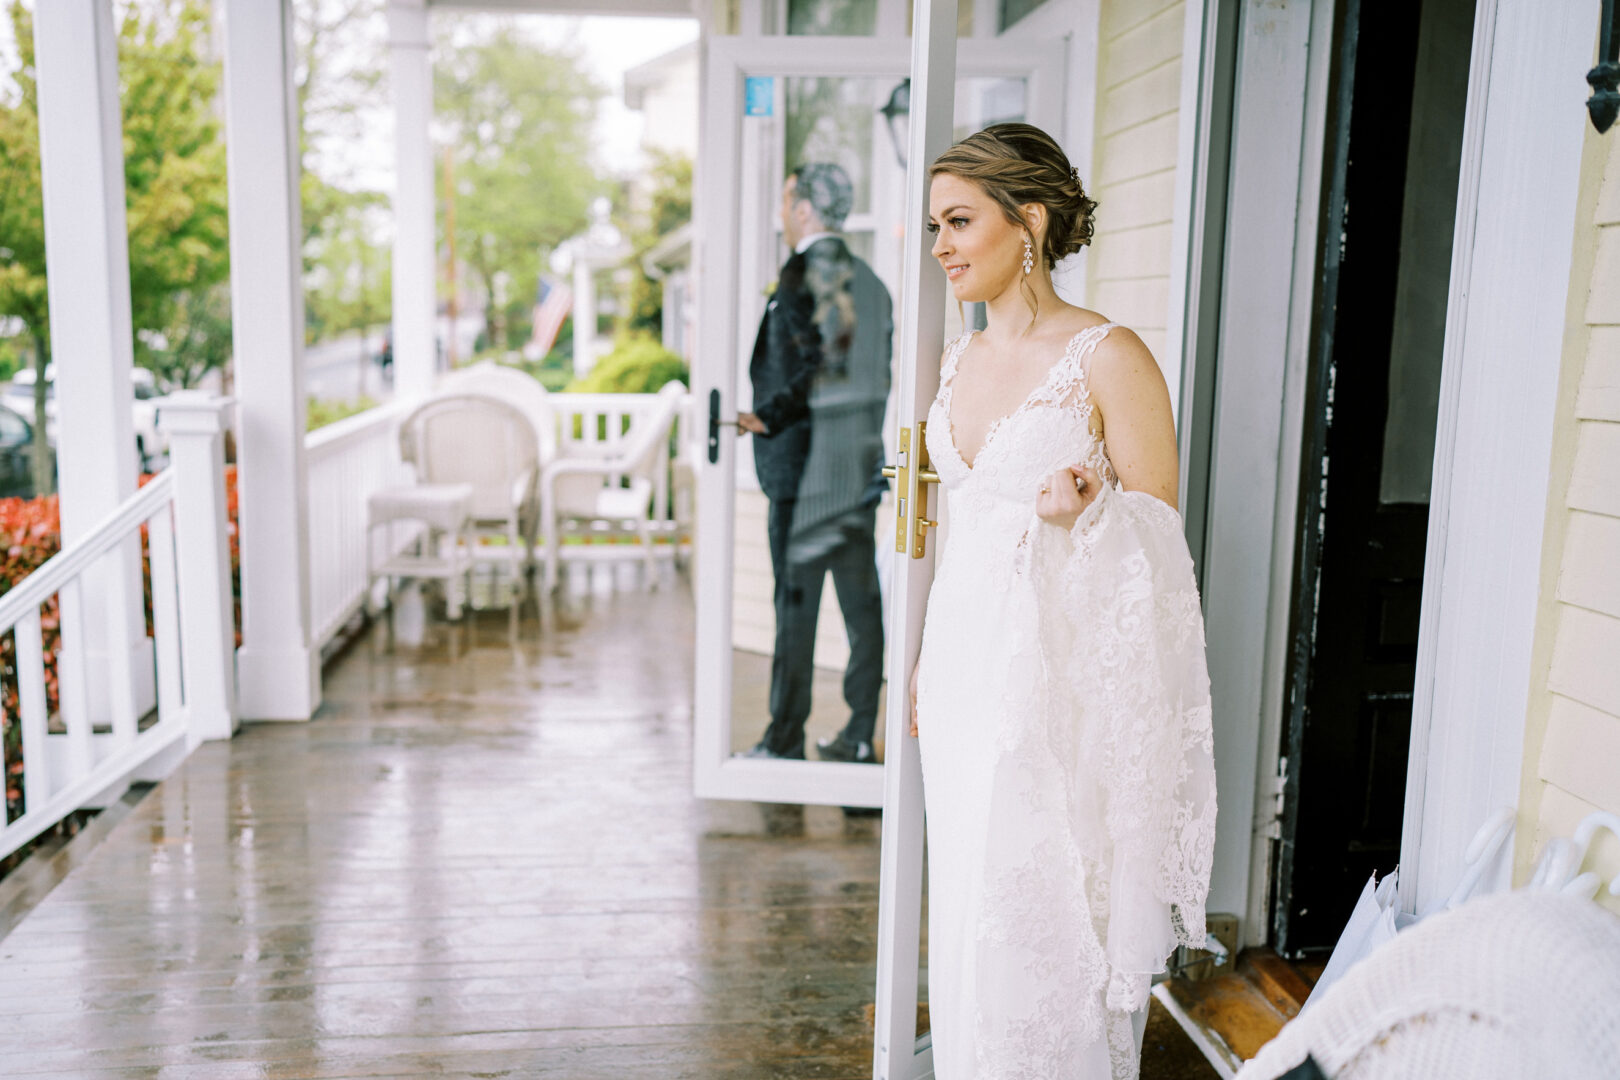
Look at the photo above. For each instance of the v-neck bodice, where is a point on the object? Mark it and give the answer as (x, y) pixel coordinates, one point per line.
(1049, 430)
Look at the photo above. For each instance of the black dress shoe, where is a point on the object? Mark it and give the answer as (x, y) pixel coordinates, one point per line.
(839, 748)
(760, 750)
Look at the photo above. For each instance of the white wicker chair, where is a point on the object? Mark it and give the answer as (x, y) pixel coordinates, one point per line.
(1519, 984)
(485, 442)
(587, 488)
(511, 385)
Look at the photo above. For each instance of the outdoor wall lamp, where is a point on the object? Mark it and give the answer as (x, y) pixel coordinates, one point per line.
(1604, 104)
(897, 113)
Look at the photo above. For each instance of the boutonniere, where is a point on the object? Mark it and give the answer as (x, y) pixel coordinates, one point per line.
(770, 290)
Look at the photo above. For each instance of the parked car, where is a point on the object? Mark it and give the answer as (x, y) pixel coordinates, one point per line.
(16, 454)
(19, 397)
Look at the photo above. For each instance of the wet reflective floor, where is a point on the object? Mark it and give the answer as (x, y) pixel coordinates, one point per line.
(481, 859)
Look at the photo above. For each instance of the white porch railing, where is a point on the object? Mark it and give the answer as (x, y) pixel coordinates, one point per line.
(349, 460)
(182, 510)
(346, 461)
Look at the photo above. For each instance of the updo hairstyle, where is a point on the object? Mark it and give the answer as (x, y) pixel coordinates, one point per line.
(1018, 164)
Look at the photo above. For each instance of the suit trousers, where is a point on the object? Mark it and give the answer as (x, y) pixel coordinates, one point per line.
(850, 555)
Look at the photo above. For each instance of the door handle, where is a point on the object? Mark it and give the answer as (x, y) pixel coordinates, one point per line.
(715, 424)
(911, 471)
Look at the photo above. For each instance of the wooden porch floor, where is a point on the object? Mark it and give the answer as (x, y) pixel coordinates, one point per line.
(483, 858)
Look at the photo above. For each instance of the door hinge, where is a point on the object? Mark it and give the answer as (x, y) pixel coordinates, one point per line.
(1278, 791)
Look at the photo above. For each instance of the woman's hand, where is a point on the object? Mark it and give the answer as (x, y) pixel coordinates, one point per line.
(914, 701)
(1066, 494)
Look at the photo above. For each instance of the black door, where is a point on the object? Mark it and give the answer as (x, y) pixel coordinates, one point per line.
(1389, 202)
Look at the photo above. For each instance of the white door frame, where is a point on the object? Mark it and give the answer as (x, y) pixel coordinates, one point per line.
(730, 60)
(1261, 334)
(1510, 278)
(897, 1052)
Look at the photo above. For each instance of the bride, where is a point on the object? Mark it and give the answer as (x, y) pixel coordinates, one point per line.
(1060, 699)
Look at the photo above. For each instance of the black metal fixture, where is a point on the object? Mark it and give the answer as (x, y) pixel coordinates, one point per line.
(1604, 104)
(897, 113)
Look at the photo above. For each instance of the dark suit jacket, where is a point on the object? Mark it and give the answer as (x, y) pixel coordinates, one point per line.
(821, 365)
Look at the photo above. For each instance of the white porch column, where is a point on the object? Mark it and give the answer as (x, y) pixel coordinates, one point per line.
(87, 248)
(415, 262)
(280, 673)
(194, 421)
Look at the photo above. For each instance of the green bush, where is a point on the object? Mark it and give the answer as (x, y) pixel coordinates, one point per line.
(11, 360)
(554, 372)
(638, 364)
(322, 413)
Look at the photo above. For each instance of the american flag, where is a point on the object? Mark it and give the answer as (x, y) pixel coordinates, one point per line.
(551, 307)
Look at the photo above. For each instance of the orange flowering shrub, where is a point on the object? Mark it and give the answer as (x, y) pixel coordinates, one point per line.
(30, 533)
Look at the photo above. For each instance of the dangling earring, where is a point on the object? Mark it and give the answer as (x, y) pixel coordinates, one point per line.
(1029, 256)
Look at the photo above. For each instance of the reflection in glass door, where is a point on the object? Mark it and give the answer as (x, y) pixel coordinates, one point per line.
(817, 179)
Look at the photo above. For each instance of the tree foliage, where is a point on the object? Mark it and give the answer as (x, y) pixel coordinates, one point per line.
(670, 207)
(22, 227)
(338, 84)
(518, 117)
(174, 169)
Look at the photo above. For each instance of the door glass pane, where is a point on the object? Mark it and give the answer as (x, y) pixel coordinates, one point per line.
(841, 18)
(1011, 11)
(814, 525)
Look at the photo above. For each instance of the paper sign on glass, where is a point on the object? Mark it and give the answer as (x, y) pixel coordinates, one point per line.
(760, 94)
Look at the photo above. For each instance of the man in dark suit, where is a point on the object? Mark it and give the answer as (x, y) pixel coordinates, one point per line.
(820, 373)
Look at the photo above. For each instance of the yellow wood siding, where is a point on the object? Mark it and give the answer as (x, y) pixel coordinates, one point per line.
(1134, 163)
(1573, 730)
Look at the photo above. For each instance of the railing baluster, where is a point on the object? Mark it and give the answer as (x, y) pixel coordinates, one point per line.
(71, 690)
(165, 614)
(35, 709)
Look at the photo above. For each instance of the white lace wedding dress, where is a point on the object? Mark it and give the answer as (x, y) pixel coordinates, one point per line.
(1064, 726)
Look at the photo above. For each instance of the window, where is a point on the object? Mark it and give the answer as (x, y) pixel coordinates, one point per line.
(842, 18)
(1013, 10)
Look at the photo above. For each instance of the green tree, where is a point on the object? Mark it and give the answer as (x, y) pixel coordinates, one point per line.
(520, 118)
(670, 207)
(22, 226)
(174, 166)
(338, 84)
(174, 171)
(350, 273)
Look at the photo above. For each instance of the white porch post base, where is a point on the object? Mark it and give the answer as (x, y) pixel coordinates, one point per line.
(195, 424)
(278, 684)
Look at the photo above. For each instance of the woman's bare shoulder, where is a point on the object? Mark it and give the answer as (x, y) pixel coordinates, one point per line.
(1122, 362)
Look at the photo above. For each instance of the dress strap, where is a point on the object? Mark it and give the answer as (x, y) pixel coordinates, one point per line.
(1069, 376)
(953, 354)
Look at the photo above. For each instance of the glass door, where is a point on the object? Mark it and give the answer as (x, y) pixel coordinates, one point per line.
(811, 577)
(796, 528)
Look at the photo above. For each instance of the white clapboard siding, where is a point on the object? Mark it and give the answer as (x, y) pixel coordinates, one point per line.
(1581, 752)
(1595, 483)
(1576, 770)
(1600, 383)
(1590, 574)
(1133, 167)
(1586, 659)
